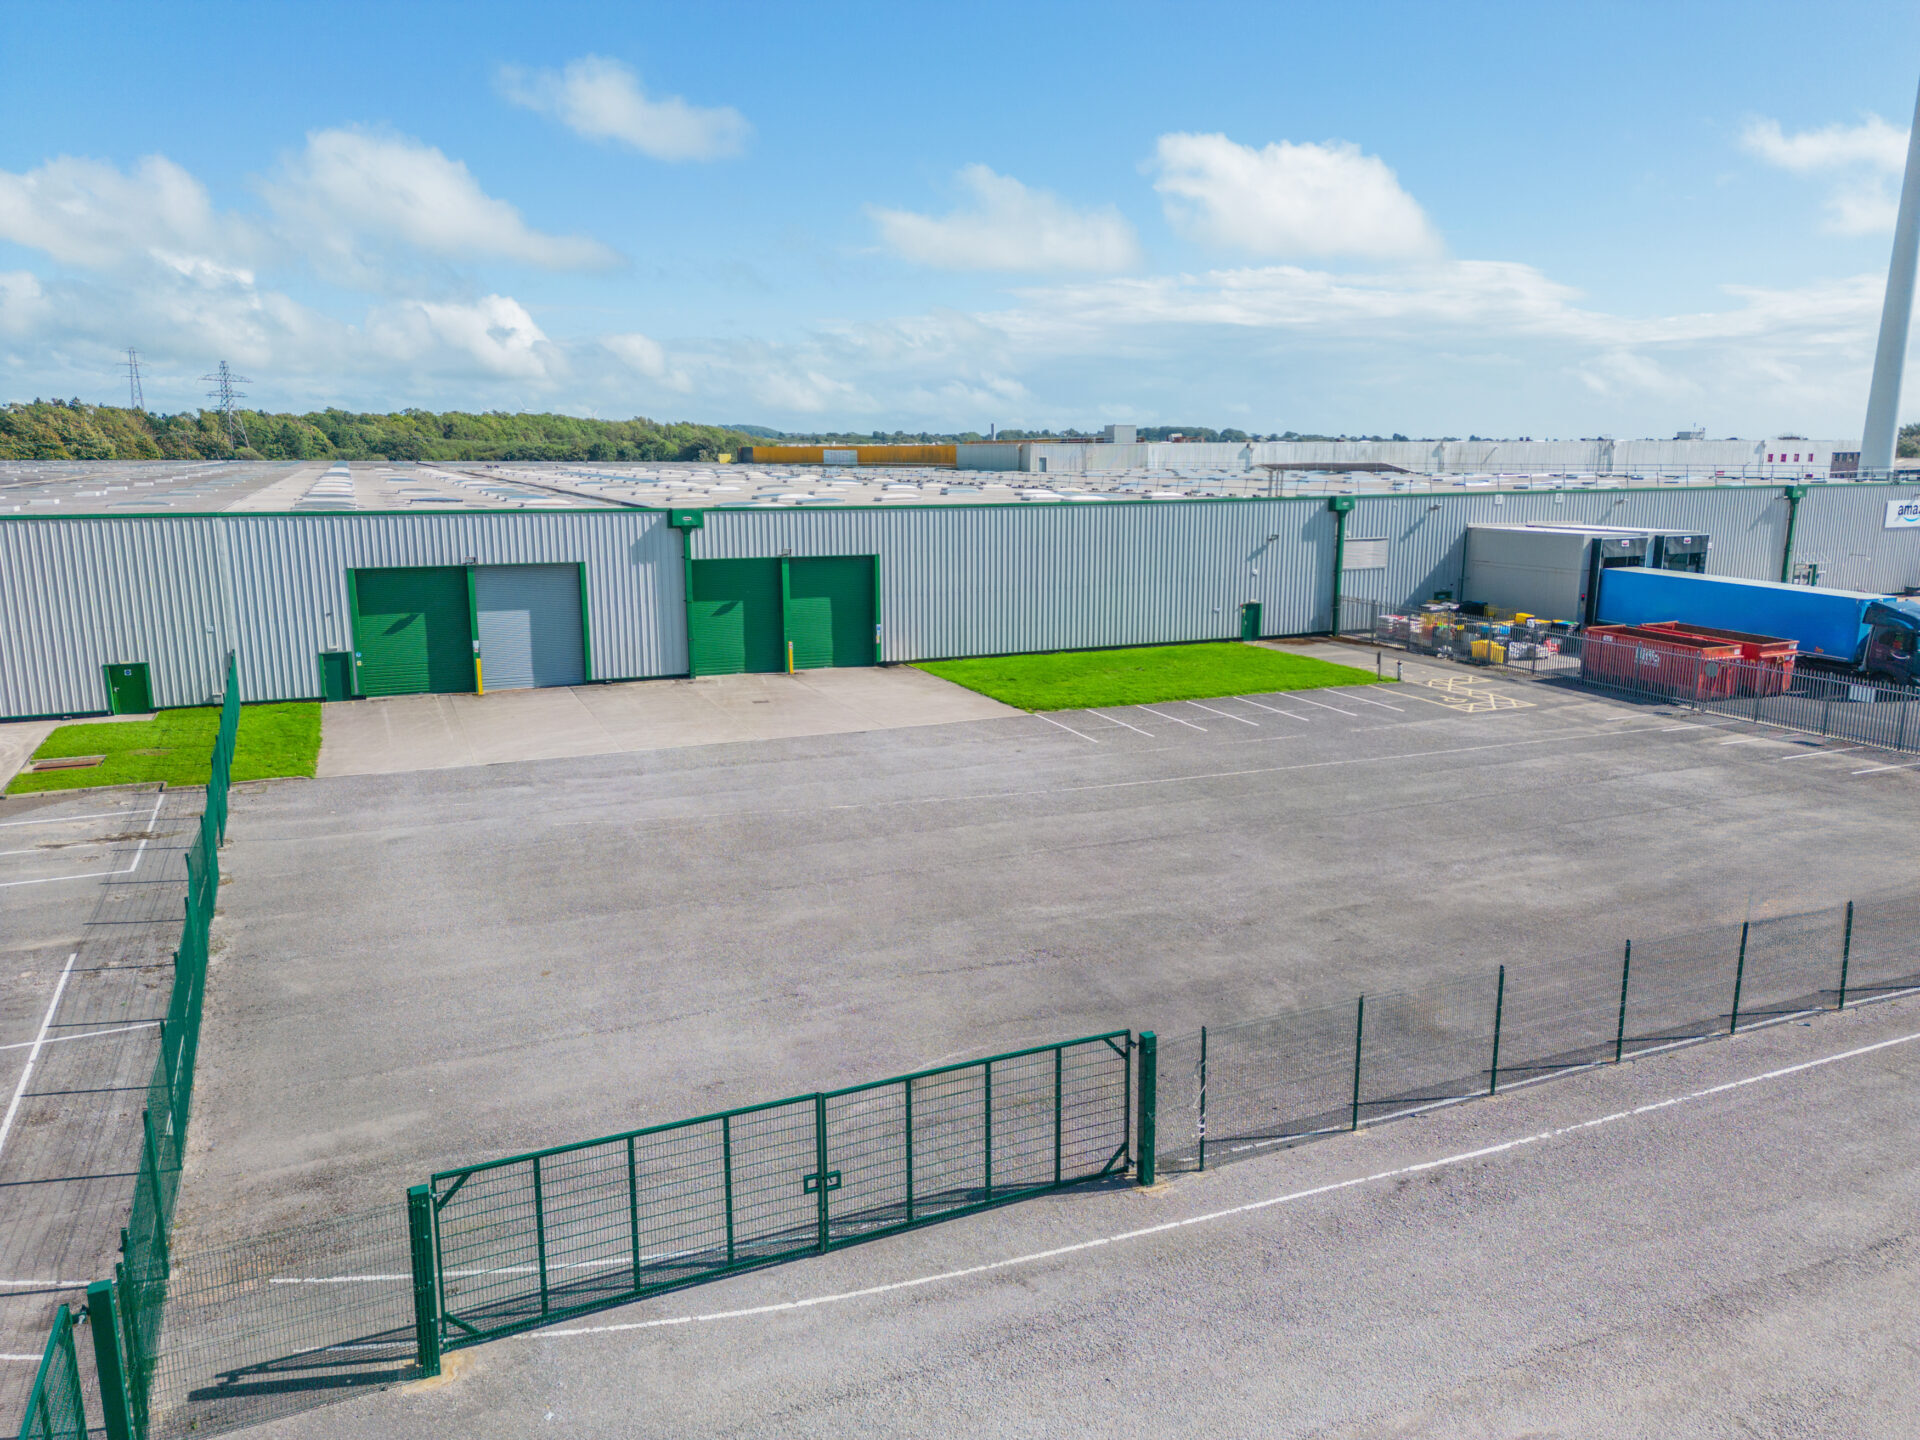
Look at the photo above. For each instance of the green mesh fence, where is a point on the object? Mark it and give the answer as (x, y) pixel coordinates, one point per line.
(522, 1241)
(55, 1408)
(144, 1267)
(1236, 1090)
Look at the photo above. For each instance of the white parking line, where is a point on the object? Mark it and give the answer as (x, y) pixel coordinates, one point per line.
(1752, 740)
(1114, 720)
(68, 819)
(1303, 719)
(1809, 754)
(1324, 706)
(1369, 700)
(1068, 728)
(1223, 714)
(1876, 769)
(1175, 718)
(134, 865)
(26, 1074)
(87, 1035)
(1463, 1157)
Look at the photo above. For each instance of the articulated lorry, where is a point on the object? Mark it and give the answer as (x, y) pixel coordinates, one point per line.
(1872, 634)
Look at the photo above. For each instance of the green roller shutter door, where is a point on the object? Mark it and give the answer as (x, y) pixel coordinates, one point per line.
(830, 611)
(733, 617)
(412, 631)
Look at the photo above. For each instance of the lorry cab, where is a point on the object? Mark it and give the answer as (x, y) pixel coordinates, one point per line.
(1893, 640)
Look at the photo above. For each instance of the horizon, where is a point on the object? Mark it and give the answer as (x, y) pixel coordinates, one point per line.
(581, 213)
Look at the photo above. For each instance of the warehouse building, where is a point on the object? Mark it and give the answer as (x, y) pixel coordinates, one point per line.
(365, 581)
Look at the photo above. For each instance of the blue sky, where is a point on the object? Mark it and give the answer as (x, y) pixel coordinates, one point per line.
(1502, 219)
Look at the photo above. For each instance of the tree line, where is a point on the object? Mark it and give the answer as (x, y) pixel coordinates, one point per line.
(73, 430)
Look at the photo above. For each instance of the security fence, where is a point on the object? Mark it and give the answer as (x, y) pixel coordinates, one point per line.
(1234, 1090)
(284, 1321)
(518, 1242)
(126, 1351)
(1796, 696)
(55, 1407)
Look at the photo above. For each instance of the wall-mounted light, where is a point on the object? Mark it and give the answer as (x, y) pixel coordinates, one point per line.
(471, 560)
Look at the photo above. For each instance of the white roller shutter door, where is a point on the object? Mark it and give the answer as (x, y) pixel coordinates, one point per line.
(530, 630)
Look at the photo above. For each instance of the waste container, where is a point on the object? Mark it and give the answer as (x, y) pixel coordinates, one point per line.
(1666, 663)
(1767, 661)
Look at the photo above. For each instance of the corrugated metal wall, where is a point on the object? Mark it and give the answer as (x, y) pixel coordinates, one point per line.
(1842, 529)
(989, 580)
(177, 593)
(1426, 535)
(79, 594)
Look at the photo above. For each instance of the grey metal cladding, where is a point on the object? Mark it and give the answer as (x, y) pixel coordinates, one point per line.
(994, 580)
(82, 593)
(1841, 528)
(178, 593)
(1426, 534)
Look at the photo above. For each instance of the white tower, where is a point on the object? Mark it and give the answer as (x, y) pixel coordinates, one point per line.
(1883, 400)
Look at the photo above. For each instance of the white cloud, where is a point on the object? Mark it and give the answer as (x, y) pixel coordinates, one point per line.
(350, 184)
(1010, 227)
(646, 357)
(91, 214)
(602, 100)
(494, 333)
(1288, 199)
(1872, 143)
(1859, 162)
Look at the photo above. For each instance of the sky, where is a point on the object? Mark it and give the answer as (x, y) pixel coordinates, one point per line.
(1546, 220)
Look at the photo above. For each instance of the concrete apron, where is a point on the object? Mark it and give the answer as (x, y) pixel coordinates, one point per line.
(434, 732)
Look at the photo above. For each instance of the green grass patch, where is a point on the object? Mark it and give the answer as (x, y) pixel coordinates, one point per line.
(176, 747)
(1086, 679)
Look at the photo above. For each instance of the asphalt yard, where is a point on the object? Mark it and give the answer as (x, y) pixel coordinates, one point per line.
(90, 893)
(1714, 1242)
(418, 971)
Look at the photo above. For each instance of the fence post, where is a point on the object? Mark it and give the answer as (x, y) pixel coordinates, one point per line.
(906, 1090)
(1149, 1085)
(1203, 1097)
(1739, 974)
(633, 1203)
(1900, 736)
(426, 1310)
(1058, 1116)
(986, 1094)
(1499, 1007)
(820, 1166)
(1846, 954)
(1620, 1035)
(108, 1361)
(1359, 1030)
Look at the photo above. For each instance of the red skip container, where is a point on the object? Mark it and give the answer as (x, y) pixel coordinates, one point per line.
(1660, 662)
(1767, 660)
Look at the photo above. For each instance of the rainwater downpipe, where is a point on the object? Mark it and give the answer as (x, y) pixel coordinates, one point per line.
(1340, 505)
(1795, 494)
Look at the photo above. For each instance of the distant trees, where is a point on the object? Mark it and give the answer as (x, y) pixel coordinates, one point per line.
(71, 430)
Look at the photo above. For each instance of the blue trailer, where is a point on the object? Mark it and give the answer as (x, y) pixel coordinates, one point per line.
(1876, 634)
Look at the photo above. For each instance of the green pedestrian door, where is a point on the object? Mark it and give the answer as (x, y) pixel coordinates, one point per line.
(1250, 620)
(830, 611)
(412, 631)
(128, 690)
(733, 618)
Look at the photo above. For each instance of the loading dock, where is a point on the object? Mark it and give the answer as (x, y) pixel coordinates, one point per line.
(765, 614)
(529, 624)
(413, 631)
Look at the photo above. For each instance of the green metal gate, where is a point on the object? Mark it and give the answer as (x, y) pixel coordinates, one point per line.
(733, 617)
(522, 1241)
(829, 611)
(413, 631)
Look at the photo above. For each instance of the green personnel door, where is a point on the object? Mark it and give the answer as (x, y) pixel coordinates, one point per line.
(129, 691)
(412, 631)
(830, 611)
(733, 617)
